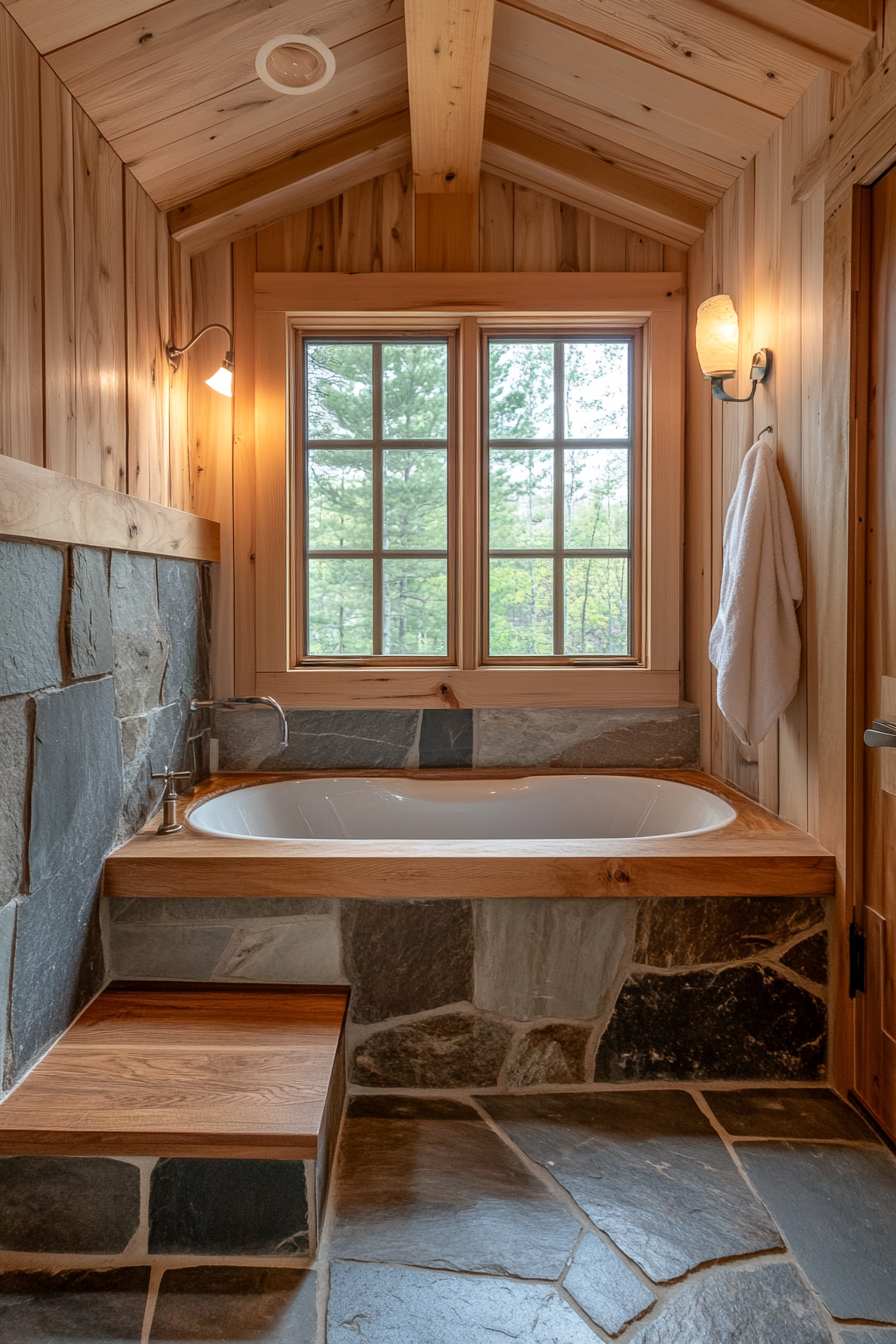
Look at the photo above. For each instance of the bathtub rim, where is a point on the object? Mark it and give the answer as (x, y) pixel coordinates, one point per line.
(461, 777)
(757, 854)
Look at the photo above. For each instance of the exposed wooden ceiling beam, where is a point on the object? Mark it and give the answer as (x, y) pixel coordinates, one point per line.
(297, 182)
(449, 46)
(585, 180)
(709, 46)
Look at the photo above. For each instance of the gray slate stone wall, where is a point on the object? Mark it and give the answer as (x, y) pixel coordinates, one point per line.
(521, 993)
(99, 656)
(399, 739)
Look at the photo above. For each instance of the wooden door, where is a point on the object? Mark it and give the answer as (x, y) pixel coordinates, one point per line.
(876, 915)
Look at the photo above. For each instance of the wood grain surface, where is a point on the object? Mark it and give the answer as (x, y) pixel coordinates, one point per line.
(43, 505)
(757, 855)
(187, 1071)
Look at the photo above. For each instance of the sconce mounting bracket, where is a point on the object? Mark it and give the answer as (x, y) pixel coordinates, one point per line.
(762, 362)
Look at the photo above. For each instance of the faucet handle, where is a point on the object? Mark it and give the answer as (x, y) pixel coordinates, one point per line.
(170, 776)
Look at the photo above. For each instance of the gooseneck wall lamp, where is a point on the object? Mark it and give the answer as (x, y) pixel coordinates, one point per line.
(717, 347)
(222, 380)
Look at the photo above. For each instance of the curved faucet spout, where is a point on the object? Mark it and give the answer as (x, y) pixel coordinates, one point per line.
(240, 701)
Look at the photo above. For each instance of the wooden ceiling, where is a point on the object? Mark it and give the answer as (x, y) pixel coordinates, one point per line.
(643, 111)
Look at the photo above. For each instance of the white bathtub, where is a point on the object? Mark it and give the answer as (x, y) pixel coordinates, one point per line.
(541, 807)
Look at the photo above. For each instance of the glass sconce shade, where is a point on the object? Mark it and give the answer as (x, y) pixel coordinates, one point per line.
(222, 380)
(717, 337)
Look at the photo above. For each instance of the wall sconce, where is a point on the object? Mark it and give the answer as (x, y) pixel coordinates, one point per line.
(717, 347)
(222, 380)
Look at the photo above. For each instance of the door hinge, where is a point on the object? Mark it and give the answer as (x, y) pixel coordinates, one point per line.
(856, 960)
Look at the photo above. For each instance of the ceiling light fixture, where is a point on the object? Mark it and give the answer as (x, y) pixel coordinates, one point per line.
(717, 341)
(220, 381)
(295, 63)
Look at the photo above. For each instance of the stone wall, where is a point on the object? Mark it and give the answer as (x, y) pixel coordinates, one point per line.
(522, 993)
(399, 739)
(99, 655)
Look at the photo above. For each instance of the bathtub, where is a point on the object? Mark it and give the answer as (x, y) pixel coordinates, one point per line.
(539, 807)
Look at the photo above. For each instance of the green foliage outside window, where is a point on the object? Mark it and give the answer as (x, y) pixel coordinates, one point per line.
(559, 487)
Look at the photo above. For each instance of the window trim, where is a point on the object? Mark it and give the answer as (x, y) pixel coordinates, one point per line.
(651, 301)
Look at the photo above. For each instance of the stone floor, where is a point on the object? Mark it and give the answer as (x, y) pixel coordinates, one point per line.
(661, 1216)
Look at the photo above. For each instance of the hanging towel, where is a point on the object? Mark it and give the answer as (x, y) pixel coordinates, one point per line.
(755, 641)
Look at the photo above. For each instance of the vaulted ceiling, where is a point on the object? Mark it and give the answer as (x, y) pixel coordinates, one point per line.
(644, 111)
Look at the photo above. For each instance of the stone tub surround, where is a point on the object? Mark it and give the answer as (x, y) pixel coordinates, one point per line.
(517, 993)
(410, 1253)
(410, 739)
(100, 655)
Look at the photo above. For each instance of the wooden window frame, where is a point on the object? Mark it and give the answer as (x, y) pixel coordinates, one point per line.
(651, 303)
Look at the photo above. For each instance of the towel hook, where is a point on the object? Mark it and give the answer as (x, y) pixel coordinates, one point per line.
(769, 429)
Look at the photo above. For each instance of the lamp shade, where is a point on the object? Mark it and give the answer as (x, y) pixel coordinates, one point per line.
(717, 337)
(222, 380)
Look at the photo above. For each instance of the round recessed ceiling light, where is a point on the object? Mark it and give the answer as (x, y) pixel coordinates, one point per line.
(295, 63)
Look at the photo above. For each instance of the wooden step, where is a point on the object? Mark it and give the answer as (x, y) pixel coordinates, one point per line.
(187, 1070)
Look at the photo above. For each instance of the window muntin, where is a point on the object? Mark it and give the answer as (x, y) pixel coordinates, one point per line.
(376, 487)
(559, 480)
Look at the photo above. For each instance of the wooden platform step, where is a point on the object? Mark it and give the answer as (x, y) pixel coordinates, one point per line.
(189, 1071)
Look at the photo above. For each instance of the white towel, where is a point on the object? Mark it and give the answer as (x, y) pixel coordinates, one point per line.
(755, 641)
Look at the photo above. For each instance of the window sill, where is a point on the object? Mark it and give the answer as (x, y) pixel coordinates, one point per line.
(477, 688)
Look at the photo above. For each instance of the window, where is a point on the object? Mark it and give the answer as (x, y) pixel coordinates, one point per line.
(560, 474)
(468, 490)
(376, 489)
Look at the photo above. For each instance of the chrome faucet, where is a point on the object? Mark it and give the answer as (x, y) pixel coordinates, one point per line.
(240, 702)
(169, 822)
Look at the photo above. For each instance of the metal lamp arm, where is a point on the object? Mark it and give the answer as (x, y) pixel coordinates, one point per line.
(174, 352)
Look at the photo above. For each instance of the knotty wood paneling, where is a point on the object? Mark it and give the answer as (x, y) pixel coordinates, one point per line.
(766, 253)
(211, 443)
(89, 282)
(21, 333)
(100, 309)
(147, 327)
(371, 228)
(60, 348)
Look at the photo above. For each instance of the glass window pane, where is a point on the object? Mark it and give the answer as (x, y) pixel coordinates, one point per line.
(415, 607)
(520, 602)
(415, 391)
(340, 390)
(597, 599)
(340, 607)
(340, 499)
(415, 499)
(520, 494)
(521, 390)
(597, 389)
(595, 497)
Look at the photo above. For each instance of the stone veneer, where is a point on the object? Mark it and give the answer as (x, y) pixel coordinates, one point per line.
(170, 1206)
(99, 657)
(521, 993)
(408, 739)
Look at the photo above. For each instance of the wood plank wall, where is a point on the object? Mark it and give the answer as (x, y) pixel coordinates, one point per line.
(368, 228)
(768, 255)
(371, 228)
(86, 299)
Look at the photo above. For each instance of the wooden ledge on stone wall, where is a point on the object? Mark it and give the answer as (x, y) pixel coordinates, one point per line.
(41, 505)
